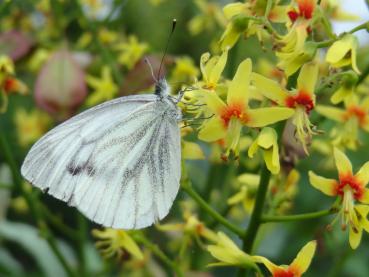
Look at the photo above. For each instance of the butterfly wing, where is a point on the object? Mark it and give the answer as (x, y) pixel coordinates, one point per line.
(118, 163)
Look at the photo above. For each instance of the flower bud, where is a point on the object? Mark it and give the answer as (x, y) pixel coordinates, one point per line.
(60, 87)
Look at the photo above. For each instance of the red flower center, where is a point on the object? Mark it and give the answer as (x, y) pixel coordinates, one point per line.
(236, 110)
(355, 111)
(9, 84)
(283, 273)
(302, 98)
(305, 10)
(352, 182)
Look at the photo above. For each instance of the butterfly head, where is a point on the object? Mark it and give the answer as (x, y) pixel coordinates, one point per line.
(162, 88)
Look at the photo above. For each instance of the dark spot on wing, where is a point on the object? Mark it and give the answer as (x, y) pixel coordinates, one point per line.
(74, 169)
(78, 169)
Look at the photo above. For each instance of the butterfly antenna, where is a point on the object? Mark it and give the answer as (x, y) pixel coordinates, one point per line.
(151, 69)
(174, 22)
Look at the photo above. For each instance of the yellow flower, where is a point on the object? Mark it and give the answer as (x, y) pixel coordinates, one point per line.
(104, 87)
(283, 190)
(211, 69)
(291, 61)
(114, 242)
(228, 253)
(192, 226)
(6, 67)
(346, 89)
(351, 188)
(267, 142)
(246, 195)
(8, 83)
(293, 50)
(343, 52)
(210, 16)
(131, 51)
(106, 36)
(238, 15)
(184, 70)
(30, 125)
(229, 117)
(302, 100)
(298, 267)
(355, 116)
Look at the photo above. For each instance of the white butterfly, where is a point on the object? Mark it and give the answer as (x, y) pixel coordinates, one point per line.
(118, 162)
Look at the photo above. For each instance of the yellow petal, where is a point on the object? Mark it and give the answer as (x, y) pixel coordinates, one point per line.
(253, 149)
(340, 94)
(365, 125)
(337, 53)
(249, 179)
(203, 61)
(279, 14)
(325, 185)
(218, 67)
(192, 151)
(233, 135)
(214, 103)
(267, 140)
(233, 9)
(269, 265)
(264, 116)
(229, 37)
(331, 112)
(270, 160)
(363, 174)
(343, 164)
(363, 210)
(355, 235)
(212, 130)
(339, 49)
(365, 197)
(130, 245)
(304, 257)
(239, 87)
(308, 77)
(269, 88)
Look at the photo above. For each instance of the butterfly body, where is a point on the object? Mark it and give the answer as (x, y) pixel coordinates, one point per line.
(118, 162)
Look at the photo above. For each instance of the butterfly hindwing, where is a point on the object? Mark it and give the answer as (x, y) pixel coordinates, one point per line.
(118, 163)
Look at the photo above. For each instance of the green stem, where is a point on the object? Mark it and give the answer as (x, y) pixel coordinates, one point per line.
(363, 26)
(82, 234)
(329, 42)
(160, 254)
(255, 220)
(186, 186)
(32, 203)
(297, 217)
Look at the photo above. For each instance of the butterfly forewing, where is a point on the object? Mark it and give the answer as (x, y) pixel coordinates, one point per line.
(118, 163)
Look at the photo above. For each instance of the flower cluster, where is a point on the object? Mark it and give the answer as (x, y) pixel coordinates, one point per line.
(273, 99)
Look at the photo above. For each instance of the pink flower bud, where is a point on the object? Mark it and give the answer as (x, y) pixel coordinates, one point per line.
(60, 86)
(15, 44)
